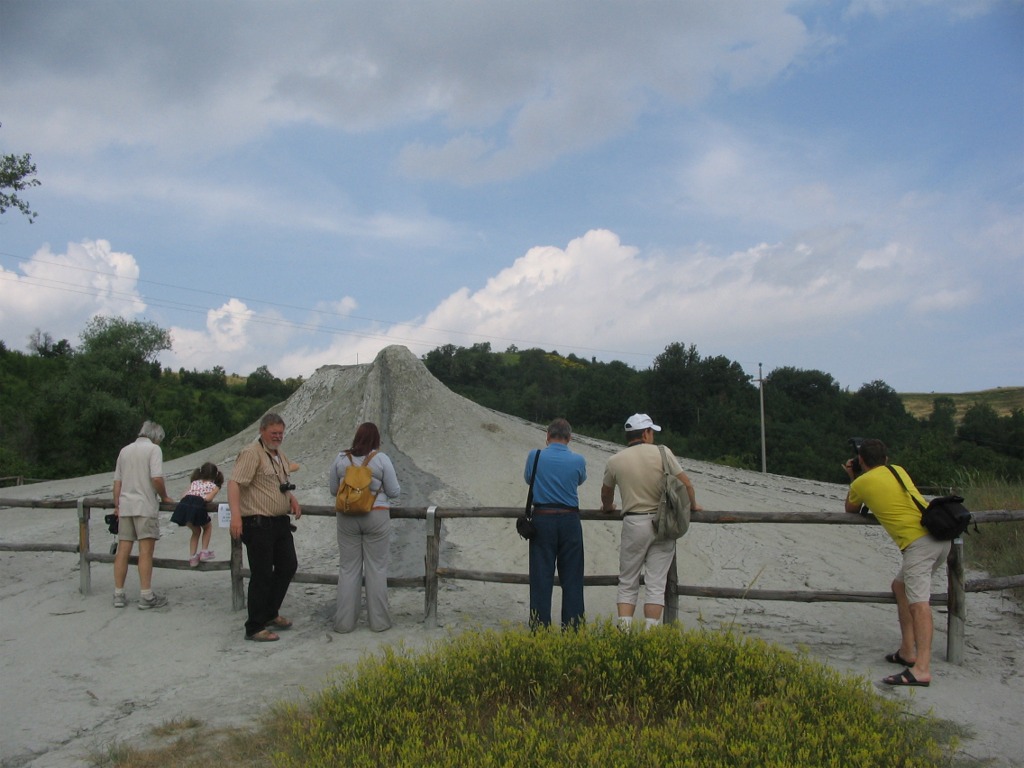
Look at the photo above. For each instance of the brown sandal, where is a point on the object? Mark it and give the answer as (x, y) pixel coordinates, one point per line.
(280, 623)
(263, 636)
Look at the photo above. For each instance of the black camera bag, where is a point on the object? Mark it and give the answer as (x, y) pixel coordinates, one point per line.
(945, 518)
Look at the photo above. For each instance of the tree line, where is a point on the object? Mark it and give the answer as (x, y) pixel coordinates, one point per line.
(709, 409)
(66, 411)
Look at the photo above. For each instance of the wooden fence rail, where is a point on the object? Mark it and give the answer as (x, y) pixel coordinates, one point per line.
(954, 598)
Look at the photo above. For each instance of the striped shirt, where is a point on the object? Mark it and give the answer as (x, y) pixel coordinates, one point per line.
(260, 474)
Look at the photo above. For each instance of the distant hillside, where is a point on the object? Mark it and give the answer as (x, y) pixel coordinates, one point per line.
(1003, 400)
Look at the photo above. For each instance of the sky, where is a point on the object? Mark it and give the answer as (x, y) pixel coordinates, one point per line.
(831, 186)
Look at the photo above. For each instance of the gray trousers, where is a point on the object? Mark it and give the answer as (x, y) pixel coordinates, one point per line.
(638, 549)
(364, 544)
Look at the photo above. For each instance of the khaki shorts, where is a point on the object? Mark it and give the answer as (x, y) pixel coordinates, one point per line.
(136, 527)
(921, 558)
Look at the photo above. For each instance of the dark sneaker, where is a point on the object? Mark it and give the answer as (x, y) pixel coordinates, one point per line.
(120, 601)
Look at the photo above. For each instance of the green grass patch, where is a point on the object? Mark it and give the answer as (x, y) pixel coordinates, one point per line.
(601, 697)
(997, 548)
(597, 697)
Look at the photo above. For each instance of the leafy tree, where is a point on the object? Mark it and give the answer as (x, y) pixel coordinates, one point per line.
(42, 344)
(66, 412)
(215, 379)
(262, 384)
(981, 425)
(108, 389)
(674, 385)
(599, 401)
(16, 172)
(120, 357)
(876, 410)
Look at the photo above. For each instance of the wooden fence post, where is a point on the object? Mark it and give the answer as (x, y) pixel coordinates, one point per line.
(956, 606)
(84, 569)
(237, 587)
(431, 560)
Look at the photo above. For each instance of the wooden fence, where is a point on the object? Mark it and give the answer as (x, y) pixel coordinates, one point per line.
(955, 598)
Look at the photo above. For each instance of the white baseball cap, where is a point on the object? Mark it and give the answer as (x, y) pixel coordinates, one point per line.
(641, 421)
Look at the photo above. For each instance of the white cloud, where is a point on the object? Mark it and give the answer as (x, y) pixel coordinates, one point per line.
(882, 8)
(594, 297)
(58, 292)
(599, 297)
(508, 91)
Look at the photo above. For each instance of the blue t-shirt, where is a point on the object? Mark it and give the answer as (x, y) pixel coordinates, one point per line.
(560, 472)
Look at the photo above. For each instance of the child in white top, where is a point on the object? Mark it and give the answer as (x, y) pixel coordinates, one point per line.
(191, 510)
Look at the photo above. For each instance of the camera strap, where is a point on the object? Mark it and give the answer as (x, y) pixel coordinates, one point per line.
(529, 496)
(275, 461)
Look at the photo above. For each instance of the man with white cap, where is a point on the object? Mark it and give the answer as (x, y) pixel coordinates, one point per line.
(637, 471)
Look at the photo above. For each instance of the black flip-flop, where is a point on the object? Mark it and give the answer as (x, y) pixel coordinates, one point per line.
(895, 658)
(906, 677)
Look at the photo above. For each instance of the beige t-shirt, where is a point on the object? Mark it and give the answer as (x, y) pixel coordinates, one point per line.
(137, 465)
(637, 472)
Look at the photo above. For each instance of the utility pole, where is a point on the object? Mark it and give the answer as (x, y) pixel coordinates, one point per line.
(760, 386)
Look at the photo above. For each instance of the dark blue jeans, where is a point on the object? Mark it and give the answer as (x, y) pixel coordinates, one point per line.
(270, 549)
(558, 544)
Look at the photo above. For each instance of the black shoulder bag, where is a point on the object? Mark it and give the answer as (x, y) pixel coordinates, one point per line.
(524, 525)
(945, 518)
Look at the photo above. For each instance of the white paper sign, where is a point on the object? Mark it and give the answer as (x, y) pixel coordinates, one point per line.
(224, 515)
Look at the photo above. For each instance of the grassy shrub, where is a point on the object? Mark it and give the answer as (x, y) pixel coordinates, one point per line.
(997, 547)
(600, 697)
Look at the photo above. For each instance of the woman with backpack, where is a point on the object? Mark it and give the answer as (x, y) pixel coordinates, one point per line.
(364, 484)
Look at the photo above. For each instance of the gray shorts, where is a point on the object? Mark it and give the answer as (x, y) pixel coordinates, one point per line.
(137, 527)
(921, 559)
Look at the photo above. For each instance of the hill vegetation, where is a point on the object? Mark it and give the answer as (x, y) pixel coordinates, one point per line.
(67, 411)
(710, 409)
(1003, 401)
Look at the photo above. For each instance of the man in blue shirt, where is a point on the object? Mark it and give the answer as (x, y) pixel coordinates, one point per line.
(559, 538)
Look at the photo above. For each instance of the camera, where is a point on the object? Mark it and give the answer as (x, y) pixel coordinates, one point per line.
(855, 463)
(285, 487)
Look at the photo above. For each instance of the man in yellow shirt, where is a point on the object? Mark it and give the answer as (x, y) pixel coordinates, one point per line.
(875, 487)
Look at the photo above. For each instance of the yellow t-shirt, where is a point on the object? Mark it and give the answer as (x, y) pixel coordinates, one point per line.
(890, 504)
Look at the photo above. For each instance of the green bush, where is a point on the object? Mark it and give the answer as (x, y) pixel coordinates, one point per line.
(600, 697)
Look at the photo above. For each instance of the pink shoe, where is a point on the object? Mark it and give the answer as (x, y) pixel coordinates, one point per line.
(206, 554)
(194, 560)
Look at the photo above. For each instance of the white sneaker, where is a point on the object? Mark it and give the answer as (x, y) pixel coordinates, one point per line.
(156, 601)
(206, 554)
(120, 601)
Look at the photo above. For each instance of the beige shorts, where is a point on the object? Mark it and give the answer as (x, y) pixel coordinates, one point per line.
(921, 559)
(136, 527)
